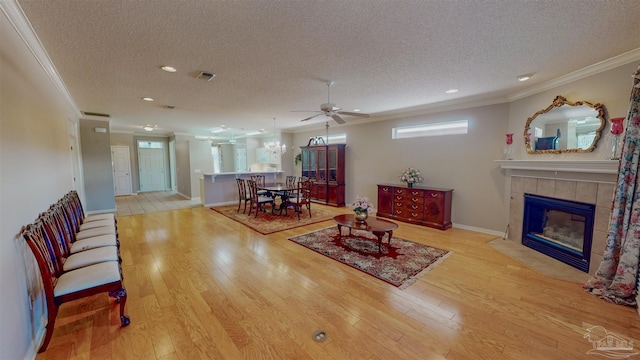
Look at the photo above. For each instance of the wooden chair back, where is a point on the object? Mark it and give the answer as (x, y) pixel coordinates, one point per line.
(291, 181)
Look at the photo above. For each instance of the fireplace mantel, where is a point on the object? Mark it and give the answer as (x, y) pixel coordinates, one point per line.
(580, 166)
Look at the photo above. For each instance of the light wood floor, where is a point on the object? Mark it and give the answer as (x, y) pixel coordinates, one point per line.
(202, 286)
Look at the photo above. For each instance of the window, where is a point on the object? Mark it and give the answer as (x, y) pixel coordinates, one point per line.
(335, 138)
(436, 129)
(150, 145)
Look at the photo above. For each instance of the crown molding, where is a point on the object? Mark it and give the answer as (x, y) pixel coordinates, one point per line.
(19, 21)
(614, 62)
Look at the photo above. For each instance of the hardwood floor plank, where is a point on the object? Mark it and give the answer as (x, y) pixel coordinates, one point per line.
(202, 286)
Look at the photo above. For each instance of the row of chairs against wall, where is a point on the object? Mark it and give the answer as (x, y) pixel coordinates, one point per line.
(77, 255)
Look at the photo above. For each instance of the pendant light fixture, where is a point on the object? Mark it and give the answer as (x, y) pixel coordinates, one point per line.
(275, 147)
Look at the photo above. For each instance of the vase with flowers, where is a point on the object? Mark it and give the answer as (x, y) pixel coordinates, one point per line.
(411, 176)
(361, 208)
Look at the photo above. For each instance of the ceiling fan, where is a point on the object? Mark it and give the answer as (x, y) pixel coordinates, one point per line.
(331, 110)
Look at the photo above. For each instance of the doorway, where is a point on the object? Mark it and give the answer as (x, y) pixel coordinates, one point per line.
(121, 170)
(151, 162)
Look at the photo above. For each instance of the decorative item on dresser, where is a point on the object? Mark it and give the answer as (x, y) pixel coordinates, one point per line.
(411, 176)
(417, 205)
(324, 166)
(361, 208)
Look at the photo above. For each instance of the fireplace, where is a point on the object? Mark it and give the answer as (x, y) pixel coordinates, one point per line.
(559, 228)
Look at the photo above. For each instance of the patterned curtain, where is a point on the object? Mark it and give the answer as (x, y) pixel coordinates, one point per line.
(617, 277)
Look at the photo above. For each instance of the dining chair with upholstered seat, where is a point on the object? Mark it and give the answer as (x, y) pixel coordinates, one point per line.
(302, 198)
(242, 195)
(258, 201)
(260, 182)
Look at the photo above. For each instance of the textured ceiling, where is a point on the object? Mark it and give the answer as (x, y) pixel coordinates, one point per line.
(272, 57)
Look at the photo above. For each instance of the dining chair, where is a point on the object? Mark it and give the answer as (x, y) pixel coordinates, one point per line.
(242, 195)
(302, 198)
(64, 286)
(291, 181)
(258, 201)
(260, 182)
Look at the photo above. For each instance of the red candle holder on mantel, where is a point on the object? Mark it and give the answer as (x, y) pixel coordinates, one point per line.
(508, 149)
(616, 130)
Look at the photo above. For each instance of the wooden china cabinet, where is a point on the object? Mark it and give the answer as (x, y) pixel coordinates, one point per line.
(324, 166)
(417, 205)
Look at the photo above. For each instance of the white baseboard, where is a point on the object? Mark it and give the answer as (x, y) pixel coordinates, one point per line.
(477, 229)
(183, 195)
(105, 211)
(221, 204)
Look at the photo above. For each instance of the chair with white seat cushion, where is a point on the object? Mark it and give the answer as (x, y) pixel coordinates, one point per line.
(62, 247)
(61, 286)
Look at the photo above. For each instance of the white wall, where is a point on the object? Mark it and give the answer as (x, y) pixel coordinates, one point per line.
(462, 162)
(611, 88)
(201, 162)
(35, 171)
(97, 167)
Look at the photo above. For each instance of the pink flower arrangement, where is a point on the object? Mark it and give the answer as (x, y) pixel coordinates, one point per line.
(411, 176)
(362, 204)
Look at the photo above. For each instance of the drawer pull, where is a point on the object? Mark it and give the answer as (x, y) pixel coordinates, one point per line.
(434, 195)
(398, 197)
(414, 207)
(414, 214)
(399, 191)
(415, 193)
(415, 200)
(398, 204)
(385, 189)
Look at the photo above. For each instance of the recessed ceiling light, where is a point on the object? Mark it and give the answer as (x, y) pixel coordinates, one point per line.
(524, 77)
(451, 91)
(148, 127)
(356, 110)
(147, 99)
(168, 69)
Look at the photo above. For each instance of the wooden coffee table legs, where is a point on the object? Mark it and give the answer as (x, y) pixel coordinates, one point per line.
(378, 234)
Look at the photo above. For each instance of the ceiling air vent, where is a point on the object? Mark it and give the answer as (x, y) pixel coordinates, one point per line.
(205, 76)
(88, 113)
(170, 107)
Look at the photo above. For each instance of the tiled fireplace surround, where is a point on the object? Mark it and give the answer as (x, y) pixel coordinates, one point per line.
(591, 182)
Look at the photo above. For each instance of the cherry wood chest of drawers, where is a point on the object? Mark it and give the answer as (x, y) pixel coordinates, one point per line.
(417, 205)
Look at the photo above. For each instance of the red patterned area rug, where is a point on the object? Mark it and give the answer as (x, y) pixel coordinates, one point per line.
(399, 265)
(266, 223)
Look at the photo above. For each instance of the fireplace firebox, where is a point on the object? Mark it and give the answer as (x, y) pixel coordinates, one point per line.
(559, 228)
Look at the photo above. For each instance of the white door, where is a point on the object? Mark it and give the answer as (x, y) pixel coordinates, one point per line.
(151, 163)
(241, 159)
(121, 170)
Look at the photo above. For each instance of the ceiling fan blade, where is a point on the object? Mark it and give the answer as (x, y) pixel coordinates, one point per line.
(353, 114)
(304, 111)
(338, 119)
(311, 117)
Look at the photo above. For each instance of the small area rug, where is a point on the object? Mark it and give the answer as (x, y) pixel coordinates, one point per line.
(266, 223)
(400, 265)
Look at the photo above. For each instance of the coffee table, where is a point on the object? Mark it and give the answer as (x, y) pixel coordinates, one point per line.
(377, 226)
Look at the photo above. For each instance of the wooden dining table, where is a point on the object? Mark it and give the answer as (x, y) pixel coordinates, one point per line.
(279, 190)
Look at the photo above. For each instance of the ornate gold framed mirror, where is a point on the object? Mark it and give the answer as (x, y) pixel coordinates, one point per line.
(565, 127)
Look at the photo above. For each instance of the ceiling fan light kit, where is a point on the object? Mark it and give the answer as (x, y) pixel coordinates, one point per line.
(331, 110)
